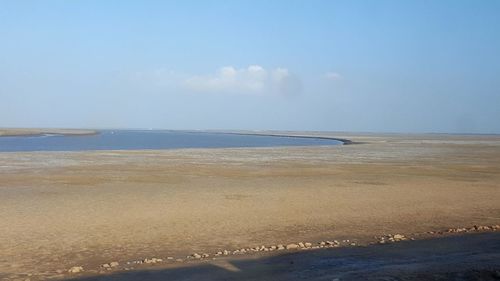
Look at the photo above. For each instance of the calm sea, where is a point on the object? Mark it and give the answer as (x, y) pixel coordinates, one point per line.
(135, 139)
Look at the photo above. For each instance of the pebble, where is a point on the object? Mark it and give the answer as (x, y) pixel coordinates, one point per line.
(399, 237)
(474, 228)
(75, 269)
(292, 246)
(114, 264)
(152, 260)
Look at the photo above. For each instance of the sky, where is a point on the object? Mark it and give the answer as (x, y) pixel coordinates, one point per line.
(370, 66)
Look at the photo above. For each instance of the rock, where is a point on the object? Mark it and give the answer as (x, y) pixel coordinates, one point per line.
(272, 248)
(114, 264)
(106, 265)
(292, 246)
(398, 237)
(179, 260)
(307, 244)
(322, 243)
(301, 244)
(281, 247)
(196, 256)
(205, 255)
(170, 258)
(225, 252)
(75, 269)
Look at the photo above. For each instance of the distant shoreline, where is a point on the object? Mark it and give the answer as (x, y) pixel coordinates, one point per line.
(86, 132)
(343, 141)
(40, 132)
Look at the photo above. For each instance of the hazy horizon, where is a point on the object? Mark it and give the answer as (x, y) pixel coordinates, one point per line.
(352, 66)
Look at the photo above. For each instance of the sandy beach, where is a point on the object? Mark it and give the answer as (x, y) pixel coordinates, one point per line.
(66, 209)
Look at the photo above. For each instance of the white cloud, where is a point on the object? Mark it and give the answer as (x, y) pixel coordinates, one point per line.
(251, 80)
(333, 76)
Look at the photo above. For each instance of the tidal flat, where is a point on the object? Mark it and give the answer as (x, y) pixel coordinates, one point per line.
(64, 209)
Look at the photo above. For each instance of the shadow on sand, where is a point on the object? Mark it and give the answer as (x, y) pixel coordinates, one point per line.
(469, 257)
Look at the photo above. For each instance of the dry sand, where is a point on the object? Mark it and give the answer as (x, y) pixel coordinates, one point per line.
(61, 209)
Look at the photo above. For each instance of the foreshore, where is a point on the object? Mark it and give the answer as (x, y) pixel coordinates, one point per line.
(69, 209)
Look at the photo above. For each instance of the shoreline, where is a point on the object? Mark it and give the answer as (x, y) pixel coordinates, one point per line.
(19, 132)
(342, 140)
(33, 132)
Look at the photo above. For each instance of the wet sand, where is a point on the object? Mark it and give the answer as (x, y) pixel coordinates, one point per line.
(64, 209)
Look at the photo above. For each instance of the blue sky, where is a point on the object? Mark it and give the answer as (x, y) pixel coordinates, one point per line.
(379, 66)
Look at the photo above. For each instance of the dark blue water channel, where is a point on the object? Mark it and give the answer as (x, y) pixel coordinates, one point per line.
(152, 139)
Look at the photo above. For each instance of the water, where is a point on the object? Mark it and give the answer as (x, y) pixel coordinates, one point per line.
(134, 140)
